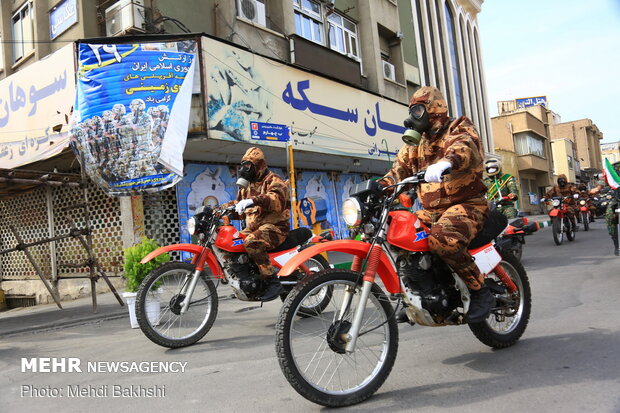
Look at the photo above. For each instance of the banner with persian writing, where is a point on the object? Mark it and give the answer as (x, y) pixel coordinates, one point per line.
(132, 113)
(34, 106)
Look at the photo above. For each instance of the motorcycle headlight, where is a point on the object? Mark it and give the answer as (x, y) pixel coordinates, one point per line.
(603, 203)
(191, 225)
(556, 202)
(352, 212)
(582, 202)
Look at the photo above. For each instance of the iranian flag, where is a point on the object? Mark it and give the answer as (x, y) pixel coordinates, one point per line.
(611, 176)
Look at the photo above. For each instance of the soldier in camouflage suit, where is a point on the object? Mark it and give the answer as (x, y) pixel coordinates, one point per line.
(565, 189)
(266, 205)
(611, 217)
(500, 186)
(454, 208)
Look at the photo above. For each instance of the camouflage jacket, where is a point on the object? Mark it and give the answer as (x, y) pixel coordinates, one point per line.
(565, 191)
(506, 184)
(460, 145)
(270, 193)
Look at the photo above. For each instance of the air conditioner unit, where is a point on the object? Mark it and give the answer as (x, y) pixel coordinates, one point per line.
(124, 16)
(388, 70)
(253, 10)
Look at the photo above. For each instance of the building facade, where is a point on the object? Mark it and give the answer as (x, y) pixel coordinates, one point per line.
(363, 55)
(611, 151)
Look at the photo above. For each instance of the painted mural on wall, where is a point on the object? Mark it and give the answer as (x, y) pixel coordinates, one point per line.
(321, 115)
(132, 113)
(318, 186)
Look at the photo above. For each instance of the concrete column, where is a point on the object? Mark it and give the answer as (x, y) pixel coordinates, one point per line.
(132, 219)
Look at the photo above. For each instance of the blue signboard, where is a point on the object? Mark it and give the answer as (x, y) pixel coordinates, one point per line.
(533, 101)
(63, 16)
(269, 132)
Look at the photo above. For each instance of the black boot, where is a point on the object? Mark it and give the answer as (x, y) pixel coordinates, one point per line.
(616, 246)
(274, 289)
(482, 301)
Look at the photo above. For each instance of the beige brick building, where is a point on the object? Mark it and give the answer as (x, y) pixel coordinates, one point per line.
(586, 138)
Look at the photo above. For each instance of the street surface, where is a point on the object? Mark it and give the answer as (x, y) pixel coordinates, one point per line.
(567, 361)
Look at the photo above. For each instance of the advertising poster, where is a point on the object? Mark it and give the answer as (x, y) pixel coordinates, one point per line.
(320, 115)
(132, 113)
(34, 105)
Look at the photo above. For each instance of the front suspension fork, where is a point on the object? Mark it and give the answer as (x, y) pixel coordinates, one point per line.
(369, 279)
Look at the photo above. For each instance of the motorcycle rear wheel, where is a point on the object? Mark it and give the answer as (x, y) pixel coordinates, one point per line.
(316, 304)
(506, 324)
(556, 228)
(311, 355)
(586, 221)
(172, 329)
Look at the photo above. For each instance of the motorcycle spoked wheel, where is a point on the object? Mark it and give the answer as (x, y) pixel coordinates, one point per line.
(320, 300)
(586, 221)
(172, 329)
(556, 228)
(310, 350)
(507, 322)
(569, 227)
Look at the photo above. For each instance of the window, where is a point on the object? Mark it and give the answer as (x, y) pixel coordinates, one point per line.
(309, 20)
(529, 144)
(570, 162)
(454, 63)
(22, 32)
(343, 35)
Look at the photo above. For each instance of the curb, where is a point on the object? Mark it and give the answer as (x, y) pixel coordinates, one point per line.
(66, 324)
(543, 224)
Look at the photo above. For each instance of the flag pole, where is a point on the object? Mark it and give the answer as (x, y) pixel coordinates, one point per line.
(291, 174)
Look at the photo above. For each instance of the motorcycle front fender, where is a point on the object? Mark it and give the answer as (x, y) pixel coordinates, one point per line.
(208, 258)
(554, 212)
(385, 268)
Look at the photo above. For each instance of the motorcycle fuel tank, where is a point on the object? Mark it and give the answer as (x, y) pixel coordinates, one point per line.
(406, 231)
(229, 239)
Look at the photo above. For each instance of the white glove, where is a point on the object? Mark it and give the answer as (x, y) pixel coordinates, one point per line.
(433, 172)
(242, 205)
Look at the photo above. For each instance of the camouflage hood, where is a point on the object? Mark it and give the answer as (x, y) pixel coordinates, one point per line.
(436, 106)
(257, 157)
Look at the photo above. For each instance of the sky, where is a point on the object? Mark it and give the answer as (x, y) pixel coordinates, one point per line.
(567, 50)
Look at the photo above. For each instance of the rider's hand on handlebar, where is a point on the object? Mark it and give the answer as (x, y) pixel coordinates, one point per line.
(435, 171)
(242, 205)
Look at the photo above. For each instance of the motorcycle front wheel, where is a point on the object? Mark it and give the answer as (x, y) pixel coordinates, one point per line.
(569, 226)
(311, 351)
(164, 324)
(509, 318)
(556, 228)
(586, 221)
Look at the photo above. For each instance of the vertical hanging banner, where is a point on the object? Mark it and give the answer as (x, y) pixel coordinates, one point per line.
(132, 113)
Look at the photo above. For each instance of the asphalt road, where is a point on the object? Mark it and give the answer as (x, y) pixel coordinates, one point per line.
(567, 361)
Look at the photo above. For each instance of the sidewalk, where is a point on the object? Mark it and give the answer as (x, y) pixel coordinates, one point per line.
(49, 316)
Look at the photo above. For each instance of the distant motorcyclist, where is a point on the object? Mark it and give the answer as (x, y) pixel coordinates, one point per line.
(454, 207)
(565, 189)
(611, 216)
(263, 199)
(501, 187)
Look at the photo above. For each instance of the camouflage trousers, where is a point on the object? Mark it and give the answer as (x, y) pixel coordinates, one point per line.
(451, 232)
(509, 211)
(611, 219)
(258, 242)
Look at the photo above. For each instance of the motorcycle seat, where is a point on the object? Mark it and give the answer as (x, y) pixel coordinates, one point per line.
(294, 238)
(495, 223)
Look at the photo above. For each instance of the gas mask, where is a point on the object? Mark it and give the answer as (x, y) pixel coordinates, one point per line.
(417, 123)
(562, 182)
(246, 174)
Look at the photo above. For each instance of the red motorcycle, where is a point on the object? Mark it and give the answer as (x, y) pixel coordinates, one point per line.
(342, 355)
(584, 213)
(560, 222)
(177, 303)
